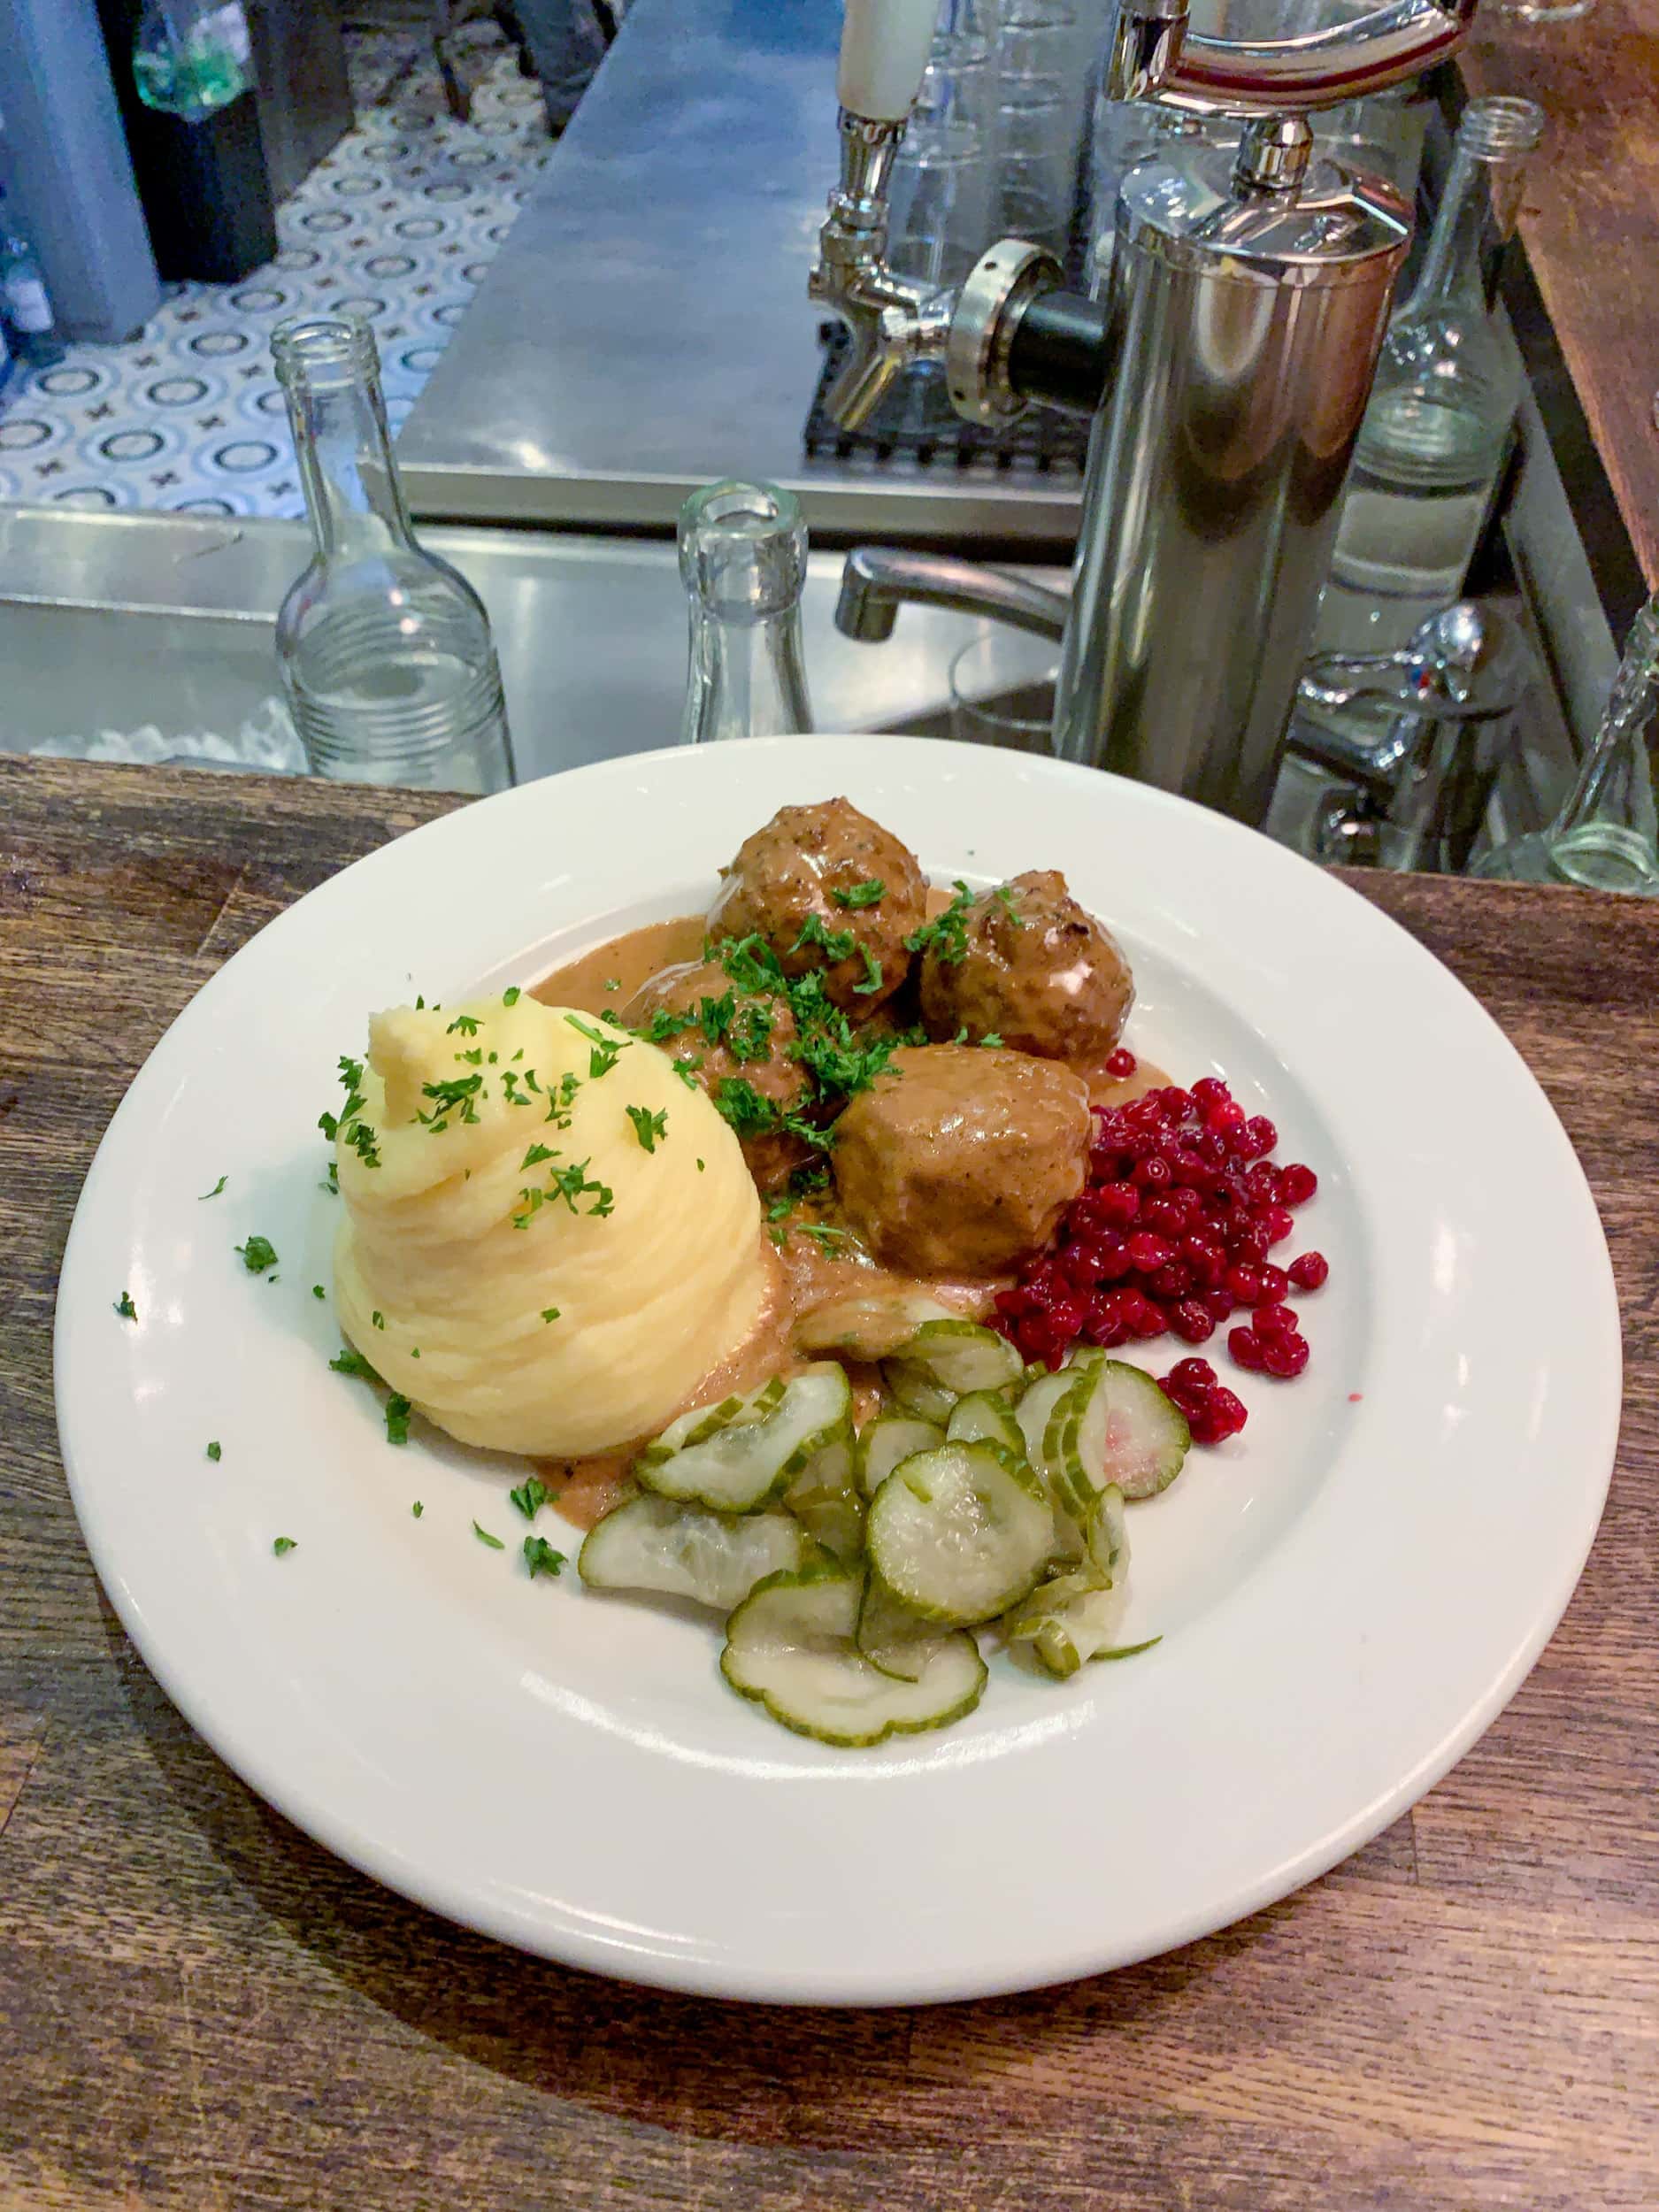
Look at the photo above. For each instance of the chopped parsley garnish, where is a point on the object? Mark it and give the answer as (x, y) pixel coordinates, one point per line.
(1007, 899)
(318, 1291)
(512, 995)
(606, 1049)
(466, 1024)
(650, 1129)
(213, 1451)
(535, 1157)
(376, 1319)
(748, 1032)
(257, 1255)
(350, 1072)
(332, 1185)
(700, 1167)
(549, 1313)
(836, 944)
(283, 1544)
(663, 1024)
(541, 1558)
(946, 936)
(714, 1015)
(417, 1509)
(822, 1232)
(751, 964)
(873, 975)
(215, 1191)
(858, 894)
(613, 983)
(397, 1412)
(738, 1101)
(484, 1537)
(531, 1495)
(779, 1208)
(456, 1096)
(991, 1041)
(474, 1059)
(687, 1070)
(348, 1361)
(125, 1307)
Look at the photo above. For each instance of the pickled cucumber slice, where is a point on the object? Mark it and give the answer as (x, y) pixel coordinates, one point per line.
(1114, 1426)
(914, 1391)
(826, 1499)
(985, 1416)
(963, 1355)
(750, 1461)
(867, 1324)
(960, 1534)
(894, 1640)
(790, 1646)
(1076, 1628)
(703, 1421)
(684, 1551)
(1035, 1412)
(888, 1439)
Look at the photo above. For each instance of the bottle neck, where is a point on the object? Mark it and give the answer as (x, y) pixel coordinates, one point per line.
(745, 679)
(1468, 226)
(344, 450)
(1616, 785)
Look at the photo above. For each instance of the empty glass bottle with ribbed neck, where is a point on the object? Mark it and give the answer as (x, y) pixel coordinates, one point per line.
(384, 649)
(1607, 835)
(1436, 431)
(743, 558)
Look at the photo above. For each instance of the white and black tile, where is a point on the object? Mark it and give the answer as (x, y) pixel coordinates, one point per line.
(398, 224)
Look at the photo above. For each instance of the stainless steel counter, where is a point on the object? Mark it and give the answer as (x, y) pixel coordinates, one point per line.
(646, 328)
(118, 621)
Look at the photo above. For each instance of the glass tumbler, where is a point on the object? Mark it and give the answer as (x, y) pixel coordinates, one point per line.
(986, 710)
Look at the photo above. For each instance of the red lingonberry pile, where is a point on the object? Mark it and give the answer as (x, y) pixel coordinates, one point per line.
(1213, 1413)
(1172, 1236)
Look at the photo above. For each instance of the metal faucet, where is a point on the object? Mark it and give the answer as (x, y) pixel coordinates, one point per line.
(1227, 369)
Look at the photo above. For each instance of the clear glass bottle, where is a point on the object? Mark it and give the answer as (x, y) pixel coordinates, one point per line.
(1606, 836)
(385, 651)
(1436, 433)
(26, 306)
(742, 556)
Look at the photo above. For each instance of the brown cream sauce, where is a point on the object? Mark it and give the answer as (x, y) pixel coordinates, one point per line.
(802, 1275)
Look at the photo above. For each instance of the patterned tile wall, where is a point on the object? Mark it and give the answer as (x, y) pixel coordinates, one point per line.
(399, 223)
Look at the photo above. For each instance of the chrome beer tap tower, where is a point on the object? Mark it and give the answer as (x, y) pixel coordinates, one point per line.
(1227, 366)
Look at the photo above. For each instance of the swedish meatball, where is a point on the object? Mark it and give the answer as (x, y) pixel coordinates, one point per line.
(752, 1047)
(960, 1160)
(782, 886)
(1034, 969)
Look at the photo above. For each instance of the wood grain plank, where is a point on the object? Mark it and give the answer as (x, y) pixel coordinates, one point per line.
(200, 2009)
(1591, 223)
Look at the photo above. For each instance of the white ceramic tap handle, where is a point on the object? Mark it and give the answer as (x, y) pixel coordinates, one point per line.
(884, 51)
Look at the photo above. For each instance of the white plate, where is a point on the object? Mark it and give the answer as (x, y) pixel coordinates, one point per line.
(1348, 1594)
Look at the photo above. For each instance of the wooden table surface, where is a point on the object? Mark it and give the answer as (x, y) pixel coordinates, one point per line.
(199, 2008)
(1590, 221)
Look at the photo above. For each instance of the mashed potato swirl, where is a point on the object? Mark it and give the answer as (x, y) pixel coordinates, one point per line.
(536, 1268)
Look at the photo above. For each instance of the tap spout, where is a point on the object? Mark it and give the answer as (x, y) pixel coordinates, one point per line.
(876, 581)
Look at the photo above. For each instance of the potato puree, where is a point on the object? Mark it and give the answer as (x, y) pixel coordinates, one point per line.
(458, 1242)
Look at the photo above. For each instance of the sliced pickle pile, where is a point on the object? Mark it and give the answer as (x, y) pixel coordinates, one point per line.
(856, 1565)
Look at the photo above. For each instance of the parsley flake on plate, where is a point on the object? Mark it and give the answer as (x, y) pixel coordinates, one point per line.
(484, 1537)
(349, 1361)
(398, 1409)
(125, 1307)
(213, 1451)
(215, 1191)
(283, 1544)
(541, 1558)
(417, 1509)
(531, 1495)
(257, 1255)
